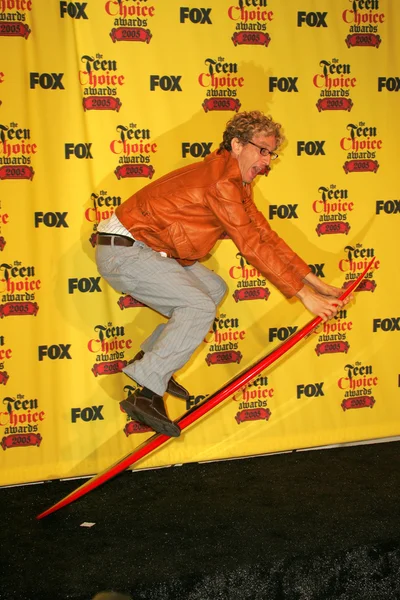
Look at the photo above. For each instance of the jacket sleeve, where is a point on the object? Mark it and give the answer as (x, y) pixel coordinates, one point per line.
(295, 262)
(255, 239)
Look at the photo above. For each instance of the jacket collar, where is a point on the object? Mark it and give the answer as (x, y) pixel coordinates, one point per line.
(231, 170)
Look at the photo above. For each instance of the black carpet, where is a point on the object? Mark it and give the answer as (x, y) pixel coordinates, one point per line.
(313, 525)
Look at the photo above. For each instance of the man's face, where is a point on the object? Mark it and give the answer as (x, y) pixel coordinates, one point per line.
(251, 162)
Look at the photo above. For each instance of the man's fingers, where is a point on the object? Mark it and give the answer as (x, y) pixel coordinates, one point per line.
(332, 309)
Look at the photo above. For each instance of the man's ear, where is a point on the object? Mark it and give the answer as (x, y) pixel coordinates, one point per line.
(236, 146)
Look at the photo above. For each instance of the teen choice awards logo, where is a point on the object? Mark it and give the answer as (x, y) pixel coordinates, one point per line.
(356, 260)
(100, 79)
(253, 401)
(364, 18)
(250, 283)
(224, 341)
(251, 21)
(109, 346)
(332, 208)
(130, 20)
(21, 418)
(332, 336)
(361, 145)
(222, 81)
(16, 152)
(18, 287)
(134, 147)
(335, 82)
(13, 17)
(358, 385)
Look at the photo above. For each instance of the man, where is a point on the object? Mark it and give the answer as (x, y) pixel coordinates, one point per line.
(151, 247)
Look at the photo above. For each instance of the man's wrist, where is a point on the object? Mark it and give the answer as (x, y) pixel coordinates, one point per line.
(301, 294)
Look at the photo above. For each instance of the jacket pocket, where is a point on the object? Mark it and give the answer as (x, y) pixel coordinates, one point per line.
(180, 241)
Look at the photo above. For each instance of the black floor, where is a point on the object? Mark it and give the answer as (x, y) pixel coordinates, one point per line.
(312, 525)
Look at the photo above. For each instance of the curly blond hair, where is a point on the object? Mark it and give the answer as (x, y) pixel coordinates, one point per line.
(245, 125)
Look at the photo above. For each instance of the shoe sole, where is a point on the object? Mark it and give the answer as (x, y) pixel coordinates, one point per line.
(169, 429)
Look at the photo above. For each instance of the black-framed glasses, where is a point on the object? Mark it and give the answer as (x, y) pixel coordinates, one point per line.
(265, 151)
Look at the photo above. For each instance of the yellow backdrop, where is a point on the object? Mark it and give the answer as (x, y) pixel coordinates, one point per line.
(99, 98)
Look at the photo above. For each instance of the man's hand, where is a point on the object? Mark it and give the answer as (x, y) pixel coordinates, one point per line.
(324, 289)
(321, 305)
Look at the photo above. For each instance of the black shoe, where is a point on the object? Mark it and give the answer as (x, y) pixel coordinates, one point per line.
(151, 412)
(174, 388)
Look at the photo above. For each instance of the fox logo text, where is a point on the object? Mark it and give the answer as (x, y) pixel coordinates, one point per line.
(318, 269)
(166, 83)
(54, 352)
(311, 390)
(87, 414)
(75, 10)
(84, 284)
(78, 150)
(281, 333)
(50, 219)
(311, 19)
(196, 150)
(315, 148)
(390, 207)
(47, 81)
(199, 16)
(193, 401)
(283, 84)
(283, 211)
(389, 324)
(391, 84)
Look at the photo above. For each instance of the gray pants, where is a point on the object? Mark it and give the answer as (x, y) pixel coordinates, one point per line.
(189, 296)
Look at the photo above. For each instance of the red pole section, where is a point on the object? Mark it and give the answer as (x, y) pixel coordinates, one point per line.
(195, 413)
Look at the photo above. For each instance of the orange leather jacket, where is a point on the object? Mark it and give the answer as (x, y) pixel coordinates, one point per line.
(185, 212)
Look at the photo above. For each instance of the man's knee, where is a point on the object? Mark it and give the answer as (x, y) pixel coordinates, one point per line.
(205, 316)
(221, 291)
(207, 306)
(202, 309)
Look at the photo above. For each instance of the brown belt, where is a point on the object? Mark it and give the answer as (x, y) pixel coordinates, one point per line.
(119, 240)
